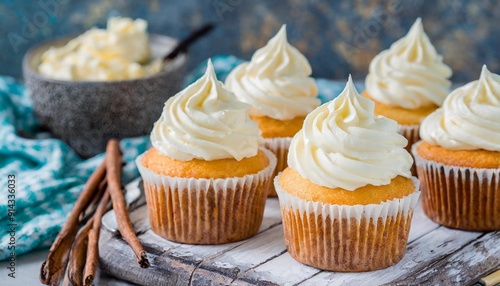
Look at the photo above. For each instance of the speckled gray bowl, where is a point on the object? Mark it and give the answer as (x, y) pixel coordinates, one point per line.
(85, 114)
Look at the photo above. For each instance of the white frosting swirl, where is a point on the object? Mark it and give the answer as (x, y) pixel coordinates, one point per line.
(343, 144)
(206, 121)
(276, 82)
(115, 53)
(469, 118)
(410, 74)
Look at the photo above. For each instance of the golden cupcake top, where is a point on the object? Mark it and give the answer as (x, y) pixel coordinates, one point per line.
(276, 82)
(343, 144)
(115, 53)
(206, 121)
(469, 118)
(410, 74)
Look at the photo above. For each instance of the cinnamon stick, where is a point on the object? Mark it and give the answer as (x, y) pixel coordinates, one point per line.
(92, 257)
(89, 212)
(53, 269)
(113, 168)
(78, 255)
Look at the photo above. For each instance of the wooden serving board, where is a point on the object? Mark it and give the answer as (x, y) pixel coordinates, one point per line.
(435, 255)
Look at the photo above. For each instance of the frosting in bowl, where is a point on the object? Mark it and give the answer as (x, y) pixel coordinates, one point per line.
(276, 82)
(410, 74)
(115, 53)
(469, 118)
(343, 144)
(206, 121)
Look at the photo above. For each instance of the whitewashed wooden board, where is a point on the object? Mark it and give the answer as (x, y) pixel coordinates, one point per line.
(435, 255)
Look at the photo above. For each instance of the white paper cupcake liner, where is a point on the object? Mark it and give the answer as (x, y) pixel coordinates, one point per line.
(206, 211)
(279, 146)
(410, 132)
(347, 238)
(459, 197)
(371, 211)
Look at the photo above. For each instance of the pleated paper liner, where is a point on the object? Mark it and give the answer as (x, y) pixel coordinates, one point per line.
(206, 211)
(459, 197)
(346, 238)
(410, 132)
(279, 146)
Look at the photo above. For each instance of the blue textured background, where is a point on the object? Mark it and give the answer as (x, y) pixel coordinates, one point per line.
(338, 37)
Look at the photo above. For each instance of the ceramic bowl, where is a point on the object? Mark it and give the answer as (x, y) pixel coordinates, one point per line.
(85, 114)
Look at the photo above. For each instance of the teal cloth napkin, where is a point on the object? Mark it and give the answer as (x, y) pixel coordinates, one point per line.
(49, 175)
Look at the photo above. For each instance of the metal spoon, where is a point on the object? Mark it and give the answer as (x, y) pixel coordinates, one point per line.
(183, 45)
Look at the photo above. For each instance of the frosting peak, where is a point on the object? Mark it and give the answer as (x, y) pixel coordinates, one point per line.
(352, 108)
(410, 74)
(488, 88)
(276, 82)
(206, 121)
(416, 46)
(278, 58)
(469, 118)
(343, 144)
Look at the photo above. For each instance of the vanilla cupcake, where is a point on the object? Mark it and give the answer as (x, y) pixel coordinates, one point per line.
(458, 160)
(277, 83)
(347, 197)
(206, 179)
(408, 81)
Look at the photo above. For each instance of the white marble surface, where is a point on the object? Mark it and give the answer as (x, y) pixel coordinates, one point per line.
(28, 269)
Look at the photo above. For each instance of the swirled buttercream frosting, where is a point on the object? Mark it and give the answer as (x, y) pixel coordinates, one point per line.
(276, 82)
(469, 118)
(206, 121)
(410, 74)
(344, 145)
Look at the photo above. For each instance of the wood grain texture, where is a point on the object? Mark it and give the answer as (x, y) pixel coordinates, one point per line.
(283, 270)
(227, 266)
(470, 263)
(435, 255)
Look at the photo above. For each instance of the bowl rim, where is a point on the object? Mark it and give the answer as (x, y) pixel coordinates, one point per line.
(178, 61)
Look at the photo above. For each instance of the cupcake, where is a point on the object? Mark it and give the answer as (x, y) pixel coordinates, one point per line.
(408, 82)
(458, 159)
(206, 178)
(278, 86)
(347, 197)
